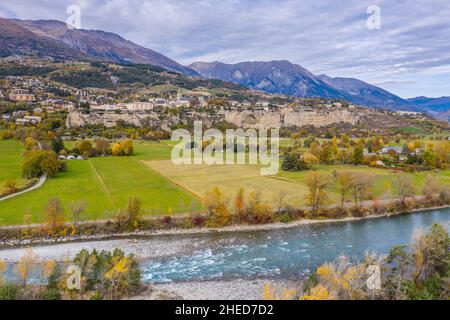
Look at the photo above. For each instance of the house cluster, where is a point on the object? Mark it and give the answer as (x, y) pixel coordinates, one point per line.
(395, 150)
(28, 120)
(21, 95)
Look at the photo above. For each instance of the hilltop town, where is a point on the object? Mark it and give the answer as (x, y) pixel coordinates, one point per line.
(69, 92)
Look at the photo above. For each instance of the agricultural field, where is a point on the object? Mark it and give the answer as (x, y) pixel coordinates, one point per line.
(105, 184)
(10, 160)
(200, 179)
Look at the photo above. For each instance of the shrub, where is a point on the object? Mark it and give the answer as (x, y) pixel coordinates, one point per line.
(359, 212)
(9, 291)
(198, 220)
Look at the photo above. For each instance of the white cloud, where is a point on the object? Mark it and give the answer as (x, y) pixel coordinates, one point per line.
(324, 36)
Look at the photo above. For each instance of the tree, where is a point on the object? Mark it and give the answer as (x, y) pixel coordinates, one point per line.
(310, 159)
(344, 180)
(30, 143)
(84, 147)
(345, 140)
(216, 205)
(317, 183)
(123, 148)
(294, 162)
(431, 253)
(326, 155)
(103, 147)
(25, 264)
(429, 158)
(38, 162)
(127, 147)
(133, 209)
(77, 207)
(55, 213)
(116, 149)
(358, 155)
(404, 188)
(361, 184)
(239, 203)
(432, 187)
(57, 145)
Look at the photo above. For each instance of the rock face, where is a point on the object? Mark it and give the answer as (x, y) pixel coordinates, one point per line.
(284, 117)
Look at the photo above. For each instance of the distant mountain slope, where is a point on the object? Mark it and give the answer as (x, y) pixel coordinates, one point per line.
(288, 78)
(17, 40)
(29, 35)
(272, 77)
(439, 107)
(367, 94)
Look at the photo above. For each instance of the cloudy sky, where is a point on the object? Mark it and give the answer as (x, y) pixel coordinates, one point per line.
(408, 55)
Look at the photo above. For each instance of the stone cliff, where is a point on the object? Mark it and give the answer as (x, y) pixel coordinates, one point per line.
(285, 117)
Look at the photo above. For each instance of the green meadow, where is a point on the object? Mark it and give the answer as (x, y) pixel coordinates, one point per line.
(106, 184)
(10, 160)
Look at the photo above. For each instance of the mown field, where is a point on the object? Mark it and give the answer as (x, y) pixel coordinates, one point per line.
(105, 184)
(10, 160)
(202, 178)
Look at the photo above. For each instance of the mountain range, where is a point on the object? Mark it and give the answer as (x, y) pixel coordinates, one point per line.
(291, 79)
(51, 38)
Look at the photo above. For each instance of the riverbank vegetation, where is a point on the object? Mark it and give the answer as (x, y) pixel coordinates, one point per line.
(420, 271)
(90, 276)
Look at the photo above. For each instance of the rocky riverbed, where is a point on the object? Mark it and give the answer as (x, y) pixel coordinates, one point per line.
(216, 290)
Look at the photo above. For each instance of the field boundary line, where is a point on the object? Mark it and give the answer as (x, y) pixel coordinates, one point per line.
(198, 196)
(103, 184)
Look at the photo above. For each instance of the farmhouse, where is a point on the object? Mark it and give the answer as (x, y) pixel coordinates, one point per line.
(396, 150)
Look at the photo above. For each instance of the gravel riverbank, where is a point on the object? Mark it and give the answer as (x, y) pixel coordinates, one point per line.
(215, 290)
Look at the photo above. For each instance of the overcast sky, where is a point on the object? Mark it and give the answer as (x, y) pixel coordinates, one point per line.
(409, 55)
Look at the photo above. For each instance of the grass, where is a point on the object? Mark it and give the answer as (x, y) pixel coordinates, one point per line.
(105, 183)
(10, 162)
(200, 179)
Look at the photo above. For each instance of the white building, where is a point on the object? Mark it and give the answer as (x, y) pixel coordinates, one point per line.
(138, 106)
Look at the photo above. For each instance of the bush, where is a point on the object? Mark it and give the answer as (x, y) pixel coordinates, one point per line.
(359, 212)
(9, 291)
(52, 294)
(335, 213)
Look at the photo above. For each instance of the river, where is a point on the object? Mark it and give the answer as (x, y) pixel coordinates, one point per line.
(290, 254)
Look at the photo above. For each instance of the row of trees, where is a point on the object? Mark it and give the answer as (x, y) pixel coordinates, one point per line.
(86, 148)
(358, 186)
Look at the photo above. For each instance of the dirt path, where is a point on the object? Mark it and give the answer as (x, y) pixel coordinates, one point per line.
(103, 184)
